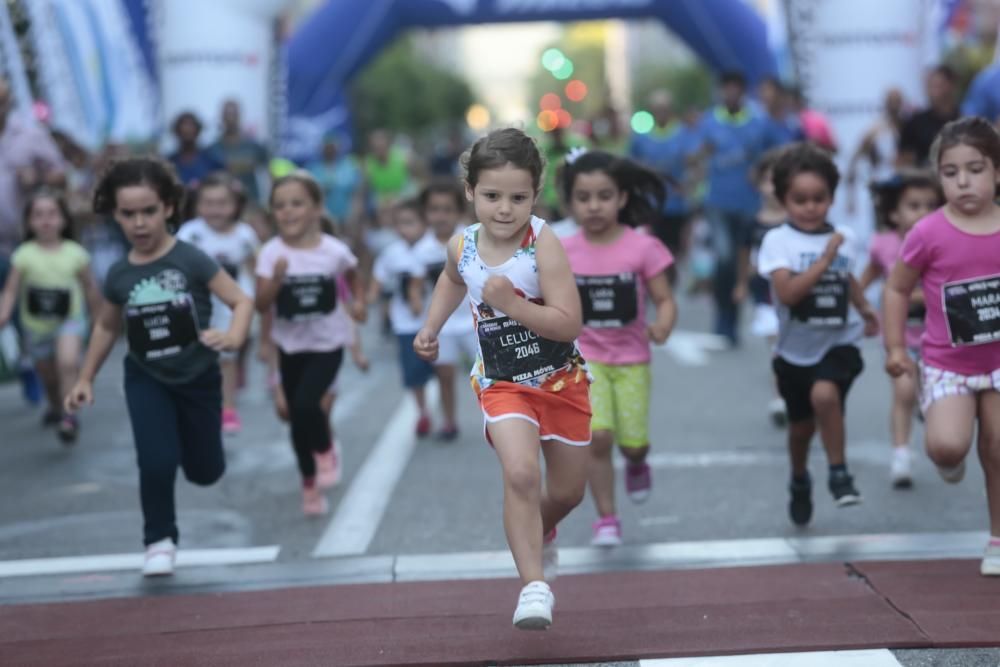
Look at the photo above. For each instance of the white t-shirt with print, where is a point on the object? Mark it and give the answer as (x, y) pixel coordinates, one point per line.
(434, 255)
(232, 249)
(393, 267)
(801, 342)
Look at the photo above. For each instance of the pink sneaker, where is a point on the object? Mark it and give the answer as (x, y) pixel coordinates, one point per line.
(638, 481)
(231, 423)
(607, 532)
(328, 467)
(314, 503)
(423, 426)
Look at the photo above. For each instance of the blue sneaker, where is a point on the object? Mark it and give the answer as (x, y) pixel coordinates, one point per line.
(31, 385)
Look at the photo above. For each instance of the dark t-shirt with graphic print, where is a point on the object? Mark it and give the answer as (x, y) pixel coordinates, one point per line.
(165, 304)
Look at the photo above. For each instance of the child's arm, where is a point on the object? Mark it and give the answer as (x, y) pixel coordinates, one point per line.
(9, 296)
(107, 325)
(560, 319)
(90, 291)
(448, 294)
(359, 306)
(666, 308)
(865, 308)
(268, 288)
(895, 304)
(791, 288)
(265, 348)
(231, 294)
(871, 273)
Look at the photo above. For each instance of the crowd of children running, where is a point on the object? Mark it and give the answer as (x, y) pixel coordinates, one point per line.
(557, 331)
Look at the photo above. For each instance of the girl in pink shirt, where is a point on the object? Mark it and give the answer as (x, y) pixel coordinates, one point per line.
(955, 254)
(900, 202)
(616, 267)
(297, 273)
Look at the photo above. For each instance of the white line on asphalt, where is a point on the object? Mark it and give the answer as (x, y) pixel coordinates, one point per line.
(360, 511)
(111, 562)
(871, 658)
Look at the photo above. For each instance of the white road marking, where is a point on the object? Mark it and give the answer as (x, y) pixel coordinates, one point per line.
(871, 658)
(360, 511)
(111, 562)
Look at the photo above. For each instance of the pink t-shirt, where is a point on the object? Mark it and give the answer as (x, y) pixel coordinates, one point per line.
(310, 313)
(612, 282)
(883, 254)
(960, 274)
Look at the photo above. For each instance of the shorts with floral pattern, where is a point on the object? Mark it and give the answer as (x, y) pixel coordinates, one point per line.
(938, 383)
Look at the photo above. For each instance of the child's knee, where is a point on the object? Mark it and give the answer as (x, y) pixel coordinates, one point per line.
(947, 450)
(207, 475)
(825, 398)
(523, 479)
(568, 496)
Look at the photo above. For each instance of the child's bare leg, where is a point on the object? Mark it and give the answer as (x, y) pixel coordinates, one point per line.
(601, 473)
(516, 444)
(989, 453)
(565, 480)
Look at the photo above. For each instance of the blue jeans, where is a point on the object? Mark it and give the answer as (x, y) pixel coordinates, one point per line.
(728, 229)
(177, 425)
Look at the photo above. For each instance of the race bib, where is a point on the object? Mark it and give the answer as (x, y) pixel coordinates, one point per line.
(513, 353)
(48, 302)
(304, 298)
(434, 272)
(826, 304)
(972, 310)
(608, 301)
(232, 269)
(160, 330)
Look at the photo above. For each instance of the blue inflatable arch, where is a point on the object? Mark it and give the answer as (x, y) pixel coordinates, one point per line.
(342, 36)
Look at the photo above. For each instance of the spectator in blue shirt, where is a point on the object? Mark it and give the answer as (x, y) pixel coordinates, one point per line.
(666, 150)
(780, 121)
(732, 137)
(983, 98)
(192, 162)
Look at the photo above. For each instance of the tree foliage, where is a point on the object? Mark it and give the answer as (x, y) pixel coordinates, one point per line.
(691, 85)
(403, 92)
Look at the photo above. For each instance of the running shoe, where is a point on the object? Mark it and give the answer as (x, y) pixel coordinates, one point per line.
(900, 470)
(51, 418)
(778, 412)
(448, 433)
(841, 485)
(638, 481)
(160, 557)
(231, 423)
(952, 475)
(534, 607)
(800, 506)
(314, 503)
(31, 384)
(423, 426)
(69, 428)
(990, 566)
(607, 532)
(550, 557)
(328, 467)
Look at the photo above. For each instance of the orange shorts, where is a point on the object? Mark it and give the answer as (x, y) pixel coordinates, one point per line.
(559, 415)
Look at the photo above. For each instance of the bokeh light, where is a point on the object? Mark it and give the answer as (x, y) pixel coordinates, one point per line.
(642, 122)
(553, 59)
(548, 121)
(564, 117)
(550, 102)
(478, 117)
(576, 90)
(565, 71)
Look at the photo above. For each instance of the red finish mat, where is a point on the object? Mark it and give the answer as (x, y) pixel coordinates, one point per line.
(597, 618)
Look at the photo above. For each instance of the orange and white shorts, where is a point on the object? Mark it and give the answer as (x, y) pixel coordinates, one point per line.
(559, 415)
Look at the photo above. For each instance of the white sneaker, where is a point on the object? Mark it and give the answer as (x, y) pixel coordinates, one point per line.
(159, 558)
(952, 475)
(778, 411)
(550, 558)
(900, 469)
(534, 607)
(990, 567)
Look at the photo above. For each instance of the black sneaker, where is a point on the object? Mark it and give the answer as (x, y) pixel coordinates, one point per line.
(800, 507)
(842, 487)
(51, 418)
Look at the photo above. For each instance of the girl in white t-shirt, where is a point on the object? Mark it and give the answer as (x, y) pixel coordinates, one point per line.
(219, 233)
(297, 275)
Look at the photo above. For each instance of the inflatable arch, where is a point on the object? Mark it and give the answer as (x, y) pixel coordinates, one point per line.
(336, 42)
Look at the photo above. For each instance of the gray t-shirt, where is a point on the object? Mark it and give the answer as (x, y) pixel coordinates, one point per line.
(825, 318)
(166, 304)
